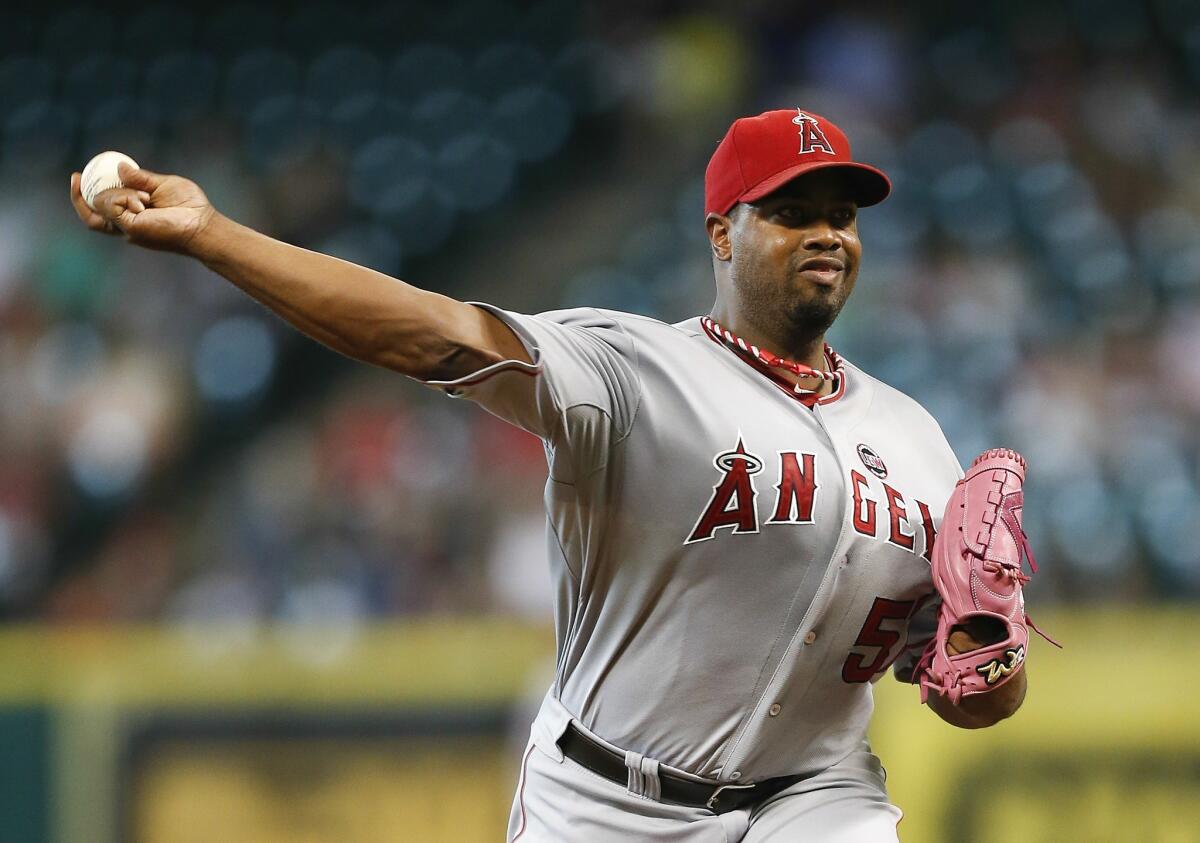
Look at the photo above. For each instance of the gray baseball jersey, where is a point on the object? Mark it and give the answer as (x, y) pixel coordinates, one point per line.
(733, 564)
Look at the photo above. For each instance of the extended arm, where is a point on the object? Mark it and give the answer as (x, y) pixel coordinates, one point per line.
(354, 310)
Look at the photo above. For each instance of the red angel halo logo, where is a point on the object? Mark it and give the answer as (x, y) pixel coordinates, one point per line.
(812, 139)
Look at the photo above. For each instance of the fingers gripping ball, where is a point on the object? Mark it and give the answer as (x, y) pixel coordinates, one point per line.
(100, 175)
(977, 571)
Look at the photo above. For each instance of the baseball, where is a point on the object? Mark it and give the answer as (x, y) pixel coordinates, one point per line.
(100, 174)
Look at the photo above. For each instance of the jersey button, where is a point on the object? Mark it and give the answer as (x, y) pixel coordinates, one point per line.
(810, 636)
(774, 709)
(735, 775)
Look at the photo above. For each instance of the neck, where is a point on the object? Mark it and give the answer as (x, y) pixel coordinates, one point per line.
(807, 350)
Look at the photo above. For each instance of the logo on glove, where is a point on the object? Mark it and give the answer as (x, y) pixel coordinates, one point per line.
(997, 669)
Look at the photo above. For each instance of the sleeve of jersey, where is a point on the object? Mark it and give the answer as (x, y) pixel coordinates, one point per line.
(921, 628)
(581, 357)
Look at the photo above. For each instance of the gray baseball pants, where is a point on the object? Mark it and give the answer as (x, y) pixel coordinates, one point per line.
(559, 801)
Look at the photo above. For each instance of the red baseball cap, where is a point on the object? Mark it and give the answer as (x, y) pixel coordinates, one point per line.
(761, 154)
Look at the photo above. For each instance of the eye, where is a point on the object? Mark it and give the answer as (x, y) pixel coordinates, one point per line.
(842, 216)
(793, 213)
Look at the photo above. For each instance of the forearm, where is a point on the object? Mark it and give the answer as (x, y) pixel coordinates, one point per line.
(978, 711)
(354, 310)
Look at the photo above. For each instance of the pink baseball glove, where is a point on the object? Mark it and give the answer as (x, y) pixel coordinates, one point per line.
(977, 571)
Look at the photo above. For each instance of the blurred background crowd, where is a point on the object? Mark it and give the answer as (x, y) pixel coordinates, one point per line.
(168, 450)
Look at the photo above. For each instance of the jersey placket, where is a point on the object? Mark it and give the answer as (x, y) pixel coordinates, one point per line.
(783, 671)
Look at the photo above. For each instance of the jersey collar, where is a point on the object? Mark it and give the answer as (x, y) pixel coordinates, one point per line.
(746, 354)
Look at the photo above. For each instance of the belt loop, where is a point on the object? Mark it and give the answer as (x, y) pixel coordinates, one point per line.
(651, 782)
(633, 763)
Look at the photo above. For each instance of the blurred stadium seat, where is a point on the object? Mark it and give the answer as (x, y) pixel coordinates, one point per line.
(1053, 191)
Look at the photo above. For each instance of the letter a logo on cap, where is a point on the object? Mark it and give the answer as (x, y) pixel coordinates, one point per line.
(812, 139)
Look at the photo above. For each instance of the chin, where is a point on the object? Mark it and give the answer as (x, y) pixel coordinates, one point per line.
(813, 317)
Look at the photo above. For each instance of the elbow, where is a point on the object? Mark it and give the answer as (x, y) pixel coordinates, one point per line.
(984, 710)
(979, 711)
(431, 358)
(453, 361)
(960, 717)
(983, 721)
(1002, 712)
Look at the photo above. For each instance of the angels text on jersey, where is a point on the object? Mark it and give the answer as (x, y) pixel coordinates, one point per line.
(733, 502)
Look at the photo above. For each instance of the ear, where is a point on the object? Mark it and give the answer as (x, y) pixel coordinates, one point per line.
(719, 227)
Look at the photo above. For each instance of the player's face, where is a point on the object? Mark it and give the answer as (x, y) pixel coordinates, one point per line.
(795, 254)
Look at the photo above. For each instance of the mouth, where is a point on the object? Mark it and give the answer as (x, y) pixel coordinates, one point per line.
(822, 270)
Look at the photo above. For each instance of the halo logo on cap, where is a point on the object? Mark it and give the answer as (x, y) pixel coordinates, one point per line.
(812, 139)
(760, 154)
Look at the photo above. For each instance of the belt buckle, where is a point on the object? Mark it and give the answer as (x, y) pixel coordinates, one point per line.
(711, 804)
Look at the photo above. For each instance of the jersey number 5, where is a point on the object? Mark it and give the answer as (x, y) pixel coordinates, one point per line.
(873, 634)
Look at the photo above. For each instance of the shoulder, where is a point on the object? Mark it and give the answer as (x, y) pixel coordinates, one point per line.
(891, 400)
(898, 408)
(630, 332)
(631, 323)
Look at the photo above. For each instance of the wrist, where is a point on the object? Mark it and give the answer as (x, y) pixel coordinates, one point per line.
(205, 241)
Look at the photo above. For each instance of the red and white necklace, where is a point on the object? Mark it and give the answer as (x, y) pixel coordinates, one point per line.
(774, 361)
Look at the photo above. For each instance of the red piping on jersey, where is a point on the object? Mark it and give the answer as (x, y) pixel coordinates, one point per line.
(521, 792)
(505, 366)
(808, 399)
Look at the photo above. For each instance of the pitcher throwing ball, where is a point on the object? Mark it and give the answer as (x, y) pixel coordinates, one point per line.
(745, 529)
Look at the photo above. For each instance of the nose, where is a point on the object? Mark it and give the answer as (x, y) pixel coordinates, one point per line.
(821, 237)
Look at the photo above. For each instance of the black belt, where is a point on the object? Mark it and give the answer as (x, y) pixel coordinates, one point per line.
(717, 798)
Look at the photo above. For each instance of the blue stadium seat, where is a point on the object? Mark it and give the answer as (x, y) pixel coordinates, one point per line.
(19, 32)
(282, 130)
(534, 122)
(119, 123)
(584, 72)
(476, 170)
(424, 69)
(396, 181)
(440, 117)
(24, 79)
(181, 86)
(258, 75)
(361, 118)
(77, 30)
(39, 137)
(340, 73)
(506, 67)
(98, 77)
(972, 205)
(314, 27)
(236, 28)
(390, 174)
(147, 32)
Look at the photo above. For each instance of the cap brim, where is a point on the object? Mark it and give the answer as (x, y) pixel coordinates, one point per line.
(870, 185)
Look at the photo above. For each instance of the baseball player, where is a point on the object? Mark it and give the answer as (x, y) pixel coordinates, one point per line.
(742, 524)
